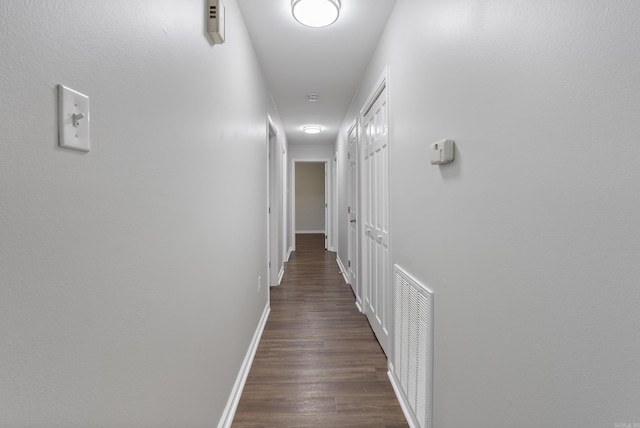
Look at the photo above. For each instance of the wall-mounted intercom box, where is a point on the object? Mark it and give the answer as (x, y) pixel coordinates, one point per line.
(216, 21)
(442, 152)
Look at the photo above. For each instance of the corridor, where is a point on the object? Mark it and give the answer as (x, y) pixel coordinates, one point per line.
(318, 363)
(148, 201)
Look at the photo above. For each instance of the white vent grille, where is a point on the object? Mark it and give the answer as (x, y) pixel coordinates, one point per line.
(414, 345)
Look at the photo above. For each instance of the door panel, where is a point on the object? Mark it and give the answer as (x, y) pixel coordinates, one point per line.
(326, 205)
(352, 268)
(273, 211)
(376, 219)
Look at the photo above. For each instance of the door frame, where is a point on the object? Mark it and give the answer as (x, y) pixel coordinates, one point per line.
(353, 197)
(275, 262)
(284, 207)
(328, 197)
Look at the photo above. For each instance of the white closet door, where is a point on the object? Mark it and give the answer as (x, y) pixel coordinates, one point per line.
(352, 267)
(376, 219)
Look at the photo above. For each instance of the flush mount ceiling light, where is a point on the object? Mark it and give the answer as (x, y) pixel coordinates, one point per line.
(313, 97)
(312, 129)
(315, 13)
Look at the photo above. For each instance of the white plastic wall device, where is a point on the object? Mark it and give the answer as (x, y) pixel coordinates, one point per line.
(442, 152)
(216, 21)
(73, 120)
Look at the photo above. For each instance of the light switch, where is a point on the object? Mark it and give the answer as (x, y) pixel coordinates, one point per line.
(73, 118)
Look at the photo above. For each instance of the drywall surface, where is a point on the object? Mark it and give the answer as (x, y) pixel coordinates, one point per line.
(310, 151)
(128, 279)
(530, 239)
(310, 196)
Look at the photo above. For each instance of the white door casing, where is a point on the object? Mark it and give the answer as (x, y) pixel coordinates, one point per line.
(284, 218)
(328, 197)
(326, 206)
(352, 197)
(273, 210)
(375, 215)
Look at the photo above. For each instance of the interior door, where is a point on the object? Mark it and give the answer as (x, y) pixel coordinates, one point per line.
(326, 206)
(376, 218)
(273, 210)
(352, 263)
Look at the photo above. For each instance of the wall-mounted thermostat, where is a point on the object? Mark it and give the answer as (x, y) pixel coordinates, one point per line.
(442, 152)
(215, 25)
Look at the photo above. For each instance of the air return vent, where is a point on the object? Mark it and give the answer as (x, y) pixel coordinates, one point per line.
(414, 346)
(216, 21)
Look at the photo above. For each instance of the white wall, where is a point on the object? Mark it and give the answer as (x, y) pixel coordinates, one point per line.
(310, 196)
(128, 289)
(530, 239)
(310, 151)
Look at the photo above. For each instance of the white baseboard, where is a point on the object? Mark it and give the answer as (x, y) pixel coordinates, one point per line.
(236, 393)
(342, 270)
(411, 420)
(359, 305)
(280, 275)
(309, 231)
(286, 259)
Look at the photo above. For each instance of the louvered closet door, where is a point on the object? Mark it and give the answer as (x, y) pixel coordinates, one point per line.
(376, 219)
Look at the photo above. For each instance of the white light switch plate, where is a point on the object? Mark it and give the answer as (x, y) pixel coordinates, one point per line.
(73, 117)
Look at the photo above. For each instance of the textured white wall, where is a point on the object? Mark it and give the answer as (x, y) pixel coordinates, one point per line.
(310, 151)
(310, 196)
(128, 293)
(530, 239)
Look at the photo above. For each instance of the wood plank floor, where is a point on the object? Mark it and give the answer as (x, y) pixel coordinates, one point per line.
(318, 363)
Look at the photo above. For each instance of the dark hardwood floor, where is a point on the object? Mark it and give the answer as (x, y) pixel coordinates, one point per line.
(318, 363)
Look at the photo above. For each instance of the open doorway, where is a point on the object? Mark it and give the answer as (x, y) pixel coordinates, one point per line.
(310, 203)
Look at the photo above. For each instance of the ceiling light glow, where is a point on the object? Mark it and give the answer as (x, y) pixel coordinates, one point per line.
(315, 13)
(312, 129)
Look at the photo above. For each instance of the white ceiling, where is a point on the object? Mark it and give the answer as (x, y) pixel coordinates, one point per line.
(299, 60)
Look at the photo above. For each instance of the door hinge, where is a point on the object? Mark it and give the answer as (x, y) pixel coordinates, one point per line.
(269, 210)
(349, 263)
(269, 265)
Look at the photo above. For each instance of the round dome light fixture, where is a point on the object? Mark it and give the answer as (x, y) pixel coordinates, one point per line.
(315, 13)
(312, 129)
